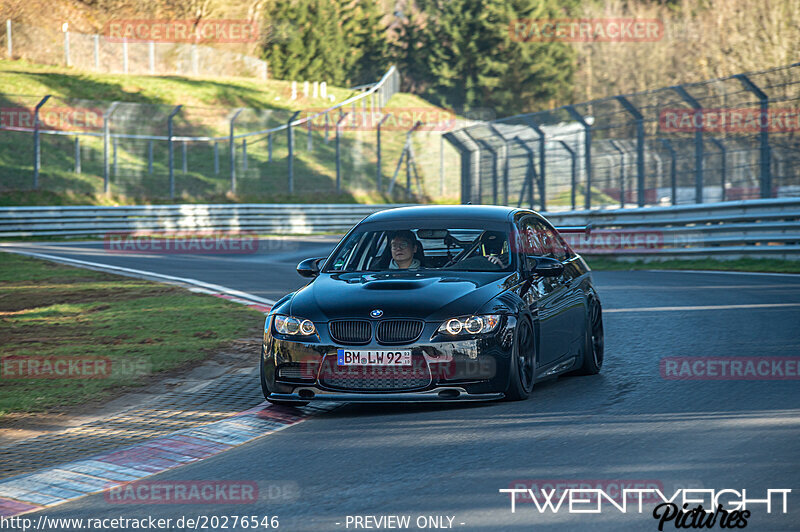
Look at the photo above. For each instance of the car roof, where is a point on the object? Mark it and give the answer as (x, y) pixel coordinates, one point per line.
(493, 213)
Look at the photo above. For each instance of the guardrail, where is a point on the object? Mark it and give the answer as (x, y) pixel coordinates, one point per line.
(754, 228)
(260, 218)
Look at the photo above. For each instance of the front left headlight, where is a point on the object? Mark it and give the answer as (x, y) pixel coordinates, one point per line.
(293, 326)
(470, 324)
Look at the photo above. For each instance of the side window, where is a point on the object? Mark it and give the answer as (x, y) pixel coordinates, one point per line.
(555, 244)
(531, 238)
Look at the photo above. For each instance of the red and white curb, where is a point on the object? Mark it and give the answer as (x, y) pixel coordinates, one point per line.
(59, 484)
(56, 485)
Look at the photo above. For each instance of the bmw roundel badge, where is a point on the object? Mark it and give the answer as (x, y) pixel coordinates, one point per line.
(377, 313)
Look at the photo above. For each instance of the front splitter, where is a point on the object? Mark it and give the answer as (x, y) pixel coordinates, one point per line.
(437, 395)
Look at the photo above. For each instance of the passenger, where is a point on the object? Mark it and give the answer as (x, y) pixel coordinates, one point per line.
(404, 246)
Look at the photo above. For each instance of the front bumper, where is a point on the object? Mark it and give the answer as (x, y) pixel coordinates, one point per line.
(469, 369)
(440, 394)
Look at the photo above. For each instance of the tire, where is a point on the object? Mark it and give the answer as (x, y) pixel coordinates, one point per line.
(594, 350)
(522, 373)
(266, 392)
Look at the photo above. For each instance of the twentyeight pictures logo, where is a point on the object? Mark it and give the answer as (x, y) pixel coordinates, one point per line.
(586, 30)
(182, 31)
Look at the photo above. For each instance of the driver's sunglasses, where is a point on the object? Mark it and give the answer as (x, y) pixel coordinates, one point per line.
(401, 244)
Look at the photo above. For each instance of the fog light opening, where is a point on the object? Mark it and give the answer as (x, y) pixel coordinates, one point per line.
(306, 394)
(449, 394)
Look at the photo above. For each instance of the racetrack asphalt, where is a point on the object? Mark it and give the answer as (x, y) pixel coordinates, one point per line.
(629, 425)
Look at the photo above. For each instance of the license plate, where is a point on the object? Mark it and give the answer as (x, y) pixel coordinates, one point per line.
(346, 357)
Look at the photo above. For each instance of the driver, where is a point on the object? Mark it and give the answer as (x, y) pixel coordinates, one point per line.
(493, 243)
(404, 246)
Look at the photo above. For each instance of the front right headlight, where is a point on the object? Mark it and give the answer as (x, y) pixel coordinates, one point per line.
(293, 326)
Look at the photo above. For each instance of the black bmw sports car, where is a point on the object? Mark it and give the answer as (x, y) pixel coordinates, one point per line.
(435, 303)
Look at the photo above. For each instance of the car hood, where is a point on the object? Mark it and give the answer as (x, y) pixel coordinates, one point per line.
(397, 295)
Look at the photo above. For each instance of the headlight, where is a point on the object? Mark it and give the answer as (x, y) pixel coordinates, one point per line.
(470, 324)
(294, 326)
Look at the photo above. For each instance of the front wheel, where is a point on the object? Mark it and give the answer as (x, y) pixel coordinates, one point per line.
(594, 352)
(523, 363)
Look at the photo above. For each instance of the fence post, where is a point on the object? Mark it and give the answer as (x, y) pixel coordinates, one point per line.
(457, 140)
(290, 140)
(150, 157)
(309, 145)
(530, 174)
(723, 152)
(587, 151)
(77, 154)
(106, 138)
(116, 168)
(573, 172)
(269, 147)
(65, 29)
(36, 145)
(342, 116)
(698, 142)
(542, 183)
(441, 166)
(244, 154)
(672, 172)
(216, 157)
(151, 49)
(232, 149)
(171, 151)
(764, 159)
(9, 43)
(621, 173)
(378, 152)
(505, 162)
(639, 147)
(491, 150)
(184, 157)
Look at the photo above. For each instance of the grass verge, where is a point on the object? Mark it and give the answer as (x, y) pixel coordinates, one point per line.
(118, 331)
(741, 265)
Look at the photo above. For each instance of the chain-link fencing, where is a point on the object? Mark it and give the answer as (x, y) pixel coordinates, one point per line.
(726, 139)
(104, 53)
(154, 151)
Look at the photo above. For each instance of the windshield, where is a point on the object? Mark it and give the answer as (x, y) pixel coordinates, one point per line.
(422, 248)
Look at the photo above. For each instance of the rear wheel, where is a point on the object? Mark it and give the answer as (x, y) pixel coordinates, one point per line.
(266, 392)
(523, 363)
(594, 352)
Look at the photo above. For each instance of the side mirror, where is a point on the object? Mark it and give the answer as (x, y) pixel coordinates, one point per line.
(545, 266)
(309, 267)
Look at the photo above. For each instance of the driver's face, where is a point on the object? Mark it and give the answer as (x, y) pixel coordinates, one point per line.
(402, 250)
